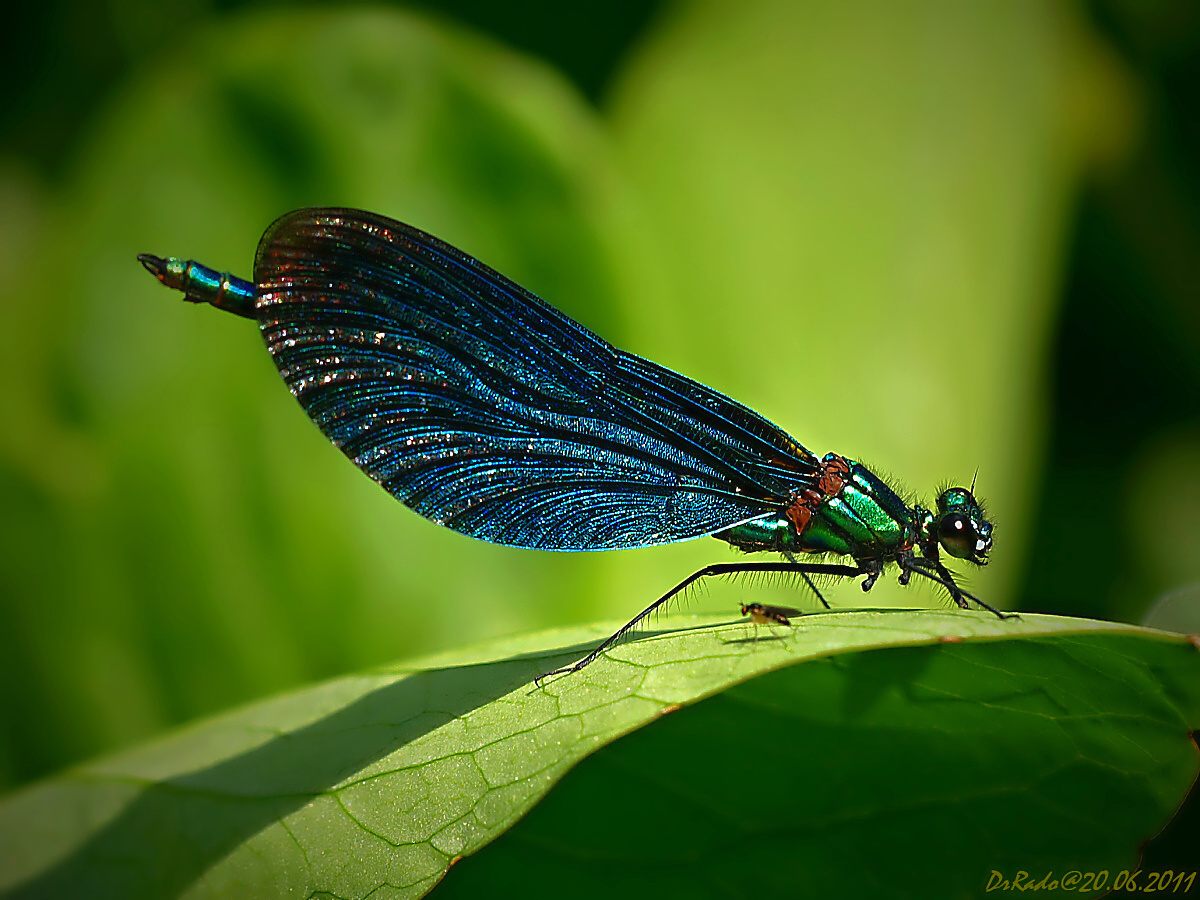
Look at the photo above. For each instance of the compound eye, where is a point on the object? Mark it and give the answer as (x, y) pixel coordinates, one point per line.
(957, 535)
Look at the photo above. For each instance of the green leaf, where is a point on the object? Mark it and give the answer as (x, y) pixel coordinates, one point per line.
(818, 756)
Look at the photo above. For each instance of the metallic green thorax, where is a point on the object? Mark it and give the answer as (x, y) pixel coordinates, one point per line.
(866, 520)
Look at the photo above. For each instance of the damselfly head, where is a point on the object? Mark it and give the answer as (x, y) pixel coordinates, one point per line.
(961, 528)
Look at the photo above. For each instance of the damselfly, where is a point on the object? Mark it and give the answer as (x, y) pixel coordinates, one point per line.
(488, 411)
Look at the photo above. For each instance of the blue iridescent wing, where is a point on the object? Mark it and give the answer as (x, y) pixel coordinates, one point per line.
(488, 411)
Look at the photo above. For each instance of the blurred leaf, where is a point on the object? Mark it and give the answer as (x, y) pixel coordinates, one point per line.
(1178, 610)
(1164, 530)
(1018, 744)
(178, 537)
(867, 203)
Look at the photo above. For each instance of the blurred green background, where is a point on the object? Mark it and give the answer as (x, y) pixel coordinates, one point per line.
(932, 236)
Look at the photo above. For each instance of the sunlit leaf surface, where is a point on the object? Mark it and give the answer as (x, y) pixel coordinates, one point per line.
(787, 752)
